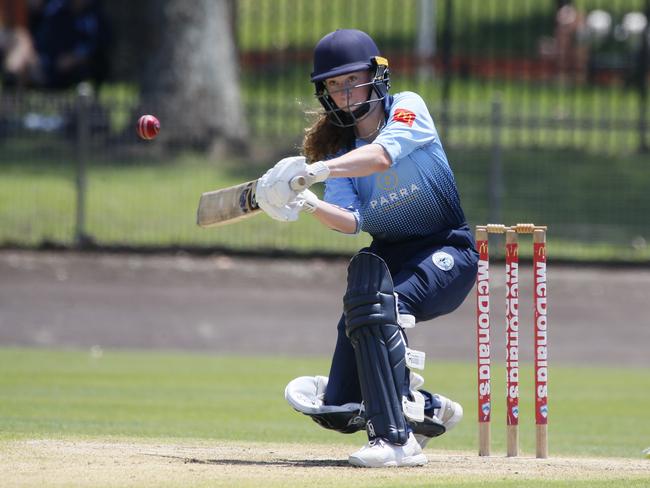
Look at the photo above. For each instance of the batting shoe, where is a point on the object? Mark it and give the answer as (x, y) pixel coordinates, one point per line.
(379, 453)
(443, 420)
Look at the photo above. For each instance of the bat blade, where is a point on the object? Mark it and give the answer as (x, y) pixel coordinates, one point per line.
(227, 205)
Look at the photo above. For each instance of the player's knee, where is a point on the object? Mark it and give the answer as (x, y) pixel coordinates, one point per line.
(370, 298)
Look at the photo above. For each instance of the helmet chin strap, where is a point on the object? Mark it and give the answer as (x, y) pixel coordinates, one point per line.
(380, 126)
(362, 111)
(341, 118)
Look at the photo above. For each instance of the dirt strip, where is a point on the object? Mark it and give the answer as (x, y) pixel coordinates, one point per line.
(222, 304)
(58, 463)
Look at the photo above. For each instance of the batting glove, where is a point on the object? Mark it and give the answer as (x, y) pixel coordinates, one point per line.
(317, 172)
(307, 201)
(274, 187)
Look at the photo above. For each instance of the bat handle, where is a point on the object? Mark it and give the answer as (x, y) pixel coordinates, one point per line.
(299, 183)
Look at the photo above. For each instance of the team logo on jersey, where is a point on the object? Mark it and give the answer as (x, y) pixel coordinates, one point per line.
(403, 115)
(398, 196)
(387, 180)
(443, 260)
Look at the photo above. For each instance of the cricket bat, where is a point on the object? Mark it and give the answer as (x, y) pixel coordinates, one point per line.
(235, 203)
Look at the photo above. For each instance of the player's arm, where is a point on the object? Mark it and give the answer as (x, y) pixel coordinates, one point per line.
(328, 214)
(363, 161)
(282, 202)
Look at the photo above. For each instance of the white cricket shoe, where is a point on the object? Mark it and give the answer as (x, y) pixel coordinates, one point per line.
(379, 453)
(448, 415)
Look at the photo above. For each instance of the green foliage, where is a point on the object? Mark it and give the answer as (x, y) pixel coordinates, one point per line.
(391, 23)
(495, 25)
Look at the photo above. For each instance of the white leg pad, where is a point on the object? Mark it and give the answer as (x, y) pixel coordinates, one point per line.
(306, 393)
(414, 410)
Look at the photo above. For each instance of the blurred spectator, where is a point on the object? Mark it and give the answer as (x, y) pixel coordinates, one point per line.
(568, 48)
(70, 39)
(17, 52)
(570, 36)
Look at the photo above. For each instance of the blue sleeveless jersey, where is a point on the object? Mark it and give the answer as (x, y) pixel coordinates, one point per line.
(417, 195)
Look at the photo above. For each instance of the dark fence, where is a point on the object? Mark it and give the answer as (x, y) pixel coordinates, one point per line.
(574, 77)
(541, 105)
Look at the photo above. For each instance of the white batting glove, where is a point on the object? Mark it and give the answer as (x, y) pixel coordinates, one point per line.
(285, 213)
(307, 201)
(317, 172)
(273, 188)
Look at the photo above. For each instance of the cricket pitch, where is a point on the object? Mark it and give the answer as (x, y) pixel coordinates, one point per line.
(82, 463)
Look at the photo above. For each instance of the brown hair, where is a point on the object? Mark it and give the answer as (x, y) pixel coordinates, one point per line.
(323, 139)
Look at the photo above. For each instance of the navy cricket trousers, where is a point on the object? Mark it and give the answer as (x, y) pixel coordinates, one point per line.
(428, 284)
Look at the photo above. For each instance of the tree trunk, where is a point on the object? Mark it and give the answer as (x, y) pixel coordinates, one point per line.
(190, 81)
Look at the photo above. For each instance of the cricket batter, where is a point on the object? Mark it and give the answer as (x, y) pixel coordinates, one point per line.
(385, 173)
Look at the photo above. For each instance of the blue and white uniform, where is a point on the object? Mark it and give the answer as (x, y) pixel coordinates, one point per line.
(417, 196)
(414, 215)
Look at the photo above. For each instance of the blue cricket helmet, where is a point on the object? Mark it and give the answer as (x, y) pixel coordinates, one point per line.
(346, 51)
(343, 51)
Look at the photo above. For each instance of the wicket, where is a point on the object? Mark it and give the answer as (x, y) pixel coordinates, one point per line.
(512, 336)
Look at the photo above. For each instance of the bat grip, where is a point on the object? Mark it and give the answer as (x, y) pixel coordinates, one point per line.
(299, 183)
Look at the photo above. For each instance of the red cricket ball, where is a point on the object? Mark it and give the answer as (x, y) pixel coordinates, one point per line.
(148, 127)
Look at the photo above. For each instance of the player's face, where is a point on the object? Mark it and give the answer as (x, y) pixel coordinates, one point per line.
(346, 91)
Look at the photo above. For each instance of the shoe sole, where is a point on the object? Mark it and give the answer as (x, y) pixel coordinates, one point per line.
(417, 460)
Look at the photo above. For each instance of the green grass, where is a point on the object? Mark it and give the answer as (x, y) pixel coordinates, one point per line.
(168, 398)
(594, 119)
(594, 207)
(150, 203)
(599, 411)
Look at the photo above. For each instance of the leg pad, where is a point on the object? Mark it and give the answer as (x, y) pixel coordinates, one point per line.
(371, 320)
